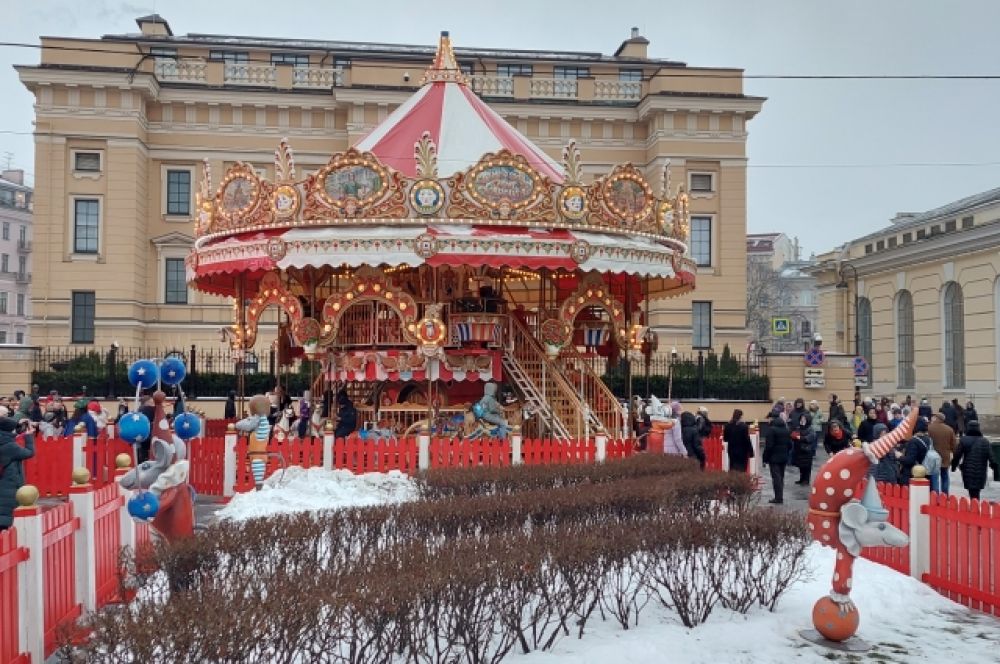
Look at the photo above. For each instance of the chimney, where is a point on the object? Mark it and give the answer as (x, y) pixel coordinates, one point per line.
(633, 47)
(14, 175)
(154, 25)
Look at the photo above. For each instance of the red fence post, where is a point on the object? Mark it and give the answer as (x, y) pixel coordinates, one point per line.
(920, 527)
(81, 496)
(31, 609)
(12, 634)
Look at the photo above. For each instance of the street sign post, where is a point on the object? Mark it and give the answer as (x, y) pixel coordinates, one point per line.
(781, 327)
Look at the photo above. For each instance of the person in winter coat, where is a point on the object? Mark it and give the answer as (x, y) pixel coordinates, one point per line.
(970, 414)
(673, 440)
(704, 423)
(81, 416)
(11, 472)
(147, 408)
(887, 469)
(347, 416)
(818, 422)
(800, 430)
(229, 412)
(836, 439)
(945, 442)
(857, 418)
(915, 451)
(895, 416)
(837, 410)
(692, 438)
(973, 458)
(950, 416)
(777, 442)
(959, 416)
(866, 430)
(736, 433)
(925, 409)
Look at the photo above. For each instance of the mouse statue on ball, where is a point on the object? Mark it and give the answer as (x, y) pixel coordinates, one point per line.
(838, 519)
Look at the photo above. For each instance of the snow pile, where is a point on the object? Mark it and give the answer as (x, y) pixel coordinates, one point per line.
(303, 490)
(897, 613)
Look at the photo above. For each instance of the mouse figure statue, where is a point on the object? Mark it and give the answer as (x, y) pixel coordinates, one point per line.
(258, 431)
(838, 519)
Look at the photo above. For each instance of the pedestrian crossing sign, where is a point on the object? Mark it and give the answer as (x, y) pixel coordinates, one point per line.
(781, 327)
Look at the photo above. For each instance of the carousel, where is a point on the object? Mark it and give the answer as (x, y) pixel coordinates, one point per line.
(445, 256)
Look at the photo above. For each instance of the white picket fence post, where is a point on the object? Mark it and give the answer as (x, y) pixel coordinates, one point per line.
(755, 444)
(328, 449)
(229, 464)
(424, 449)
(30, 582)
(82, 498)
(515, 447)
(79, 441)
(126, 524)
(920, 528)
(601, 453)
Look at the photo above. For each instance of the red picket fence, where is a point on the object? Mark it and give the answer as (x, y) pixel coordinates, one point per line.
(896, 499)
(965, 551)
(208, 459)
(464, 453)
(547, 451)
(59, 564)
(99, 457)
(51, 468)
(214, 428)
(107, 542)
(619, 449)
(11, 555)
(713, 449)
(375, 456)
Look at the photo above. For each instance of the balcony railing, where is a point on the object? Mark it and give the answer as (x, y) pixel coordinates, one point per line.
(554, 88)
(181, 71)
(246, 73)
(493, 86)
(317, 78)
(24, 246)
(23, 278)
(617, 90)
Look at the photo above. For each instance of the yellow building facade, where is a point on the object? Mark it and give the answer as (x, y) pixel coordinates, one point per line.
(123, 122)
(927, 298)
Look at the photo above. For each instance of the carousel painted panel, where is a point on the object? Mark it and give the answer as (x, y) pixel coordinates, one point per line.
(404, 365)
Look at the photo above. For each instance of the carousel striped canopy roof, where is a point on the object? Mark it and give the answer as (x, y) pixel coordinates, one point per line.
(462, 126)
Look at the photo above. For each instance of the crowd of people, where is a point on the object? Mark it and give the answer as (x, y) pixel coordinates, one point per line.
(942, 442)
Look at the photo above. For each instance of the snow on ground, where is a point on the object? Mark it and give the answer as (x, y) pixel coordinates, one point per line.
(898, 616)
(302, 490)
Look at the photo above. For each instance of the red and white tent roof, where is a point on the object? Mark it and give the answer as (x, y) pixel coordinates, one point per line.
(462, 125)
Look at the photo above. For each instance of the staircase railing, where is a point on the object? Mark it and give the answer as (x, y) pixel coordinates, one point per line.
(553, 388)
(605, 411)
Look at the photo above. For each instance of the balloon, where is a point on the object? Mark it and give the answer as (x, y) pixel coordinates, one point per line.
(143, 373)
(478, 410)
(172, 371)
(187, 426)
(143, 505)
(134, 428)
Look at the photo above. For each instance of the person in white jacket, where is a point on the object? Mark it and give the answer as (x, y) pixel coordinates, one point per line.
(673, 443)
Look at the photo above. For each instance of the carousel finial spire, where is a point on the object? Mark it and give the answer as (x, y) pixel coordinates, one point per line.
(445, 66)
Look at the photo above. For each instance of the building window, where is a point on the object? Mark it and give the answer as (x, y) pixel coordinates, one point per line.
(509, 70)
(967, 222)
(629, 74)
(702, 182)
(341, 63)
(87, 162)
(3, 336)
(906, 373)
(935, 230)
(86, 213)
(22, 235)
(4, 263)
(880, 245)
(22, 264)
(806, 329)
(701, 241)
(163, 52)
(869, 248)
(950, 225)
(229, 56)
(466, 68)
(893, 242)
(296, 59)
(571, 72)
(701, 324)
(19, 338)
(6, 230)
(954, 337)
(177, 290)
(6, 196)
(3, 303)
(907, 237)
(82, 317)
(20, 304)
(921, 234)
(864, 323)
(179, 192)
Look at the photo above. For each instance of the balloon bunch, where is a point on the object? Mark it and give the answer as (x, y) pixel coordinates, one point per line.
(135, 427)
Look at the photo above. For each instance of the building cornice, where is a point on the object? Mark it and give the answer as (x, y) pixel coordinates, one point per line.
(33, 76)
(665, 102)
(942, 247)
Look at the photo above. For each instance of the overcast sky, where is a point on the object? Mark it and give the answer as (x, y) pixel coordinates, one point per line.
(829, 160)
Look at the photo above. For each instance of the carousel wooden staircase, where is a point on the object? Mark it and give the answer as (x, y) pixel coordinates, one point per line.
(604, 411)
(543, 385)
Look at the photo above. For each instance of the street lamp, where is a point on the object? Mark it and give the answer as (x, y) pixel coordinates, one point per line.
(650, 341)
(843, 284)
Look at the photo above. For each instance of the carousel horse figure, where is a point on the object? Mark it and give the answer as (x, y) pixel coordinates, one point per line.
(316, 421)
(285, 427)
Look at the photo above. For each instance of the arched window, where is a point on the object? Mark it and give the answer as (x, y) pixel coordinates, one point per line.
(906, 375)
(865, 330)
(954, 336)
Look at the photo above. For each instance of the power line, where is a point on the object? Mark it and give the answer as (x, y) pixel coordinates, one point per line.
(663, 72)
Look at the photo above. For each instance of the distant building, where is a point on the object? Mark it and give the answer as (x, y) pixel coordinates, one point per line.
(15, 257)
(928, 303)
(782, 310)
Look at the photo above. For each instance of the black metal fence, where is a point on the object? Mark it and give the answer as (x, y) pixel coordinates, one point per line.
(704, 375)
(212, 372)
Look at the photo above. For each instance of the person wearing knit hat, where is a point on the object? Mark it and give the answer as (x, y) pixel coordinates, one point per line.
(916, 451)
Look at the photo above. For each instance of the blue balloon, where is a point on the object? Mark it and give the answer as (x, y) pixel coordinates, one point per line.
(172, 371)
(187, 426)
(134, 428)
(478, 410)
(143, 505)
(144, 374)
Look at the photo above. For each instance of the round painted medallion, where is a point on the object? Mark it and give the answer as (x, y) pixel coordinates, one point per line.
(427, 197)
(238, 196)
(573, 203)
(285, 201)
